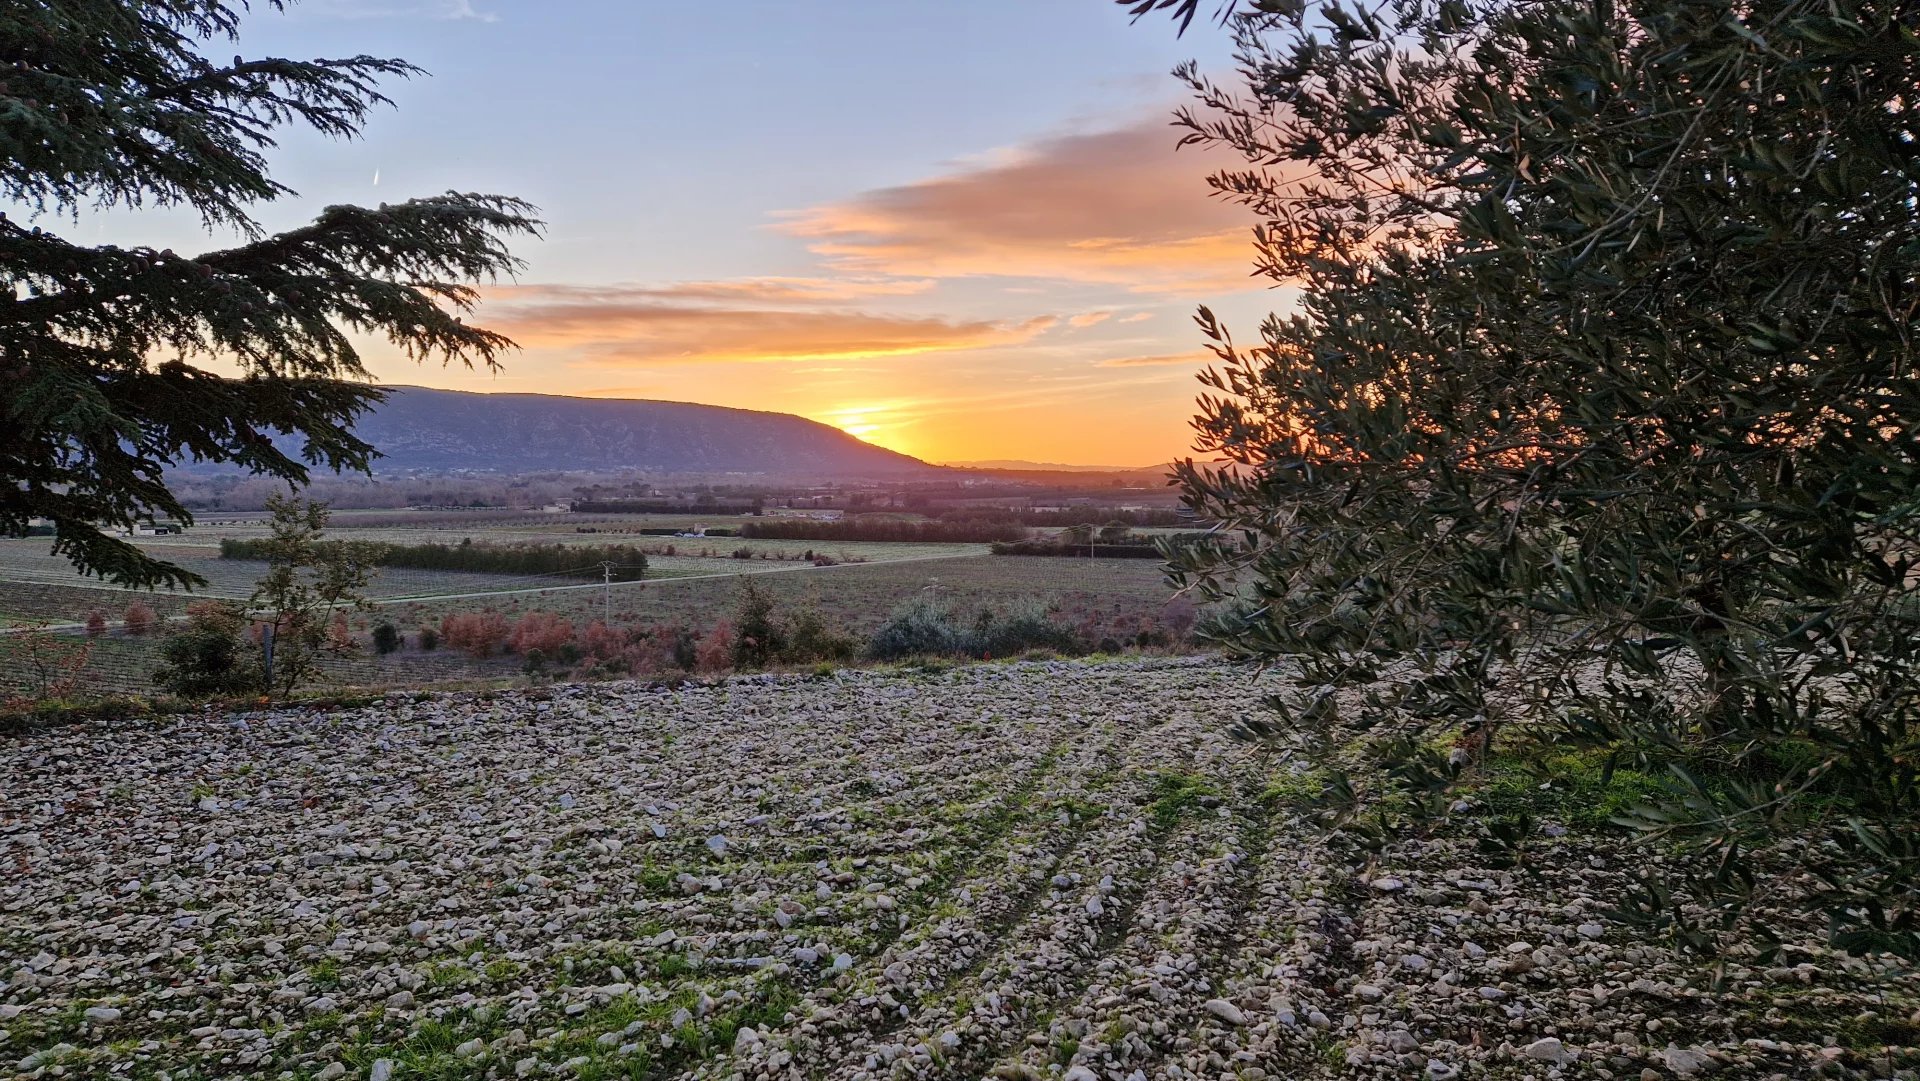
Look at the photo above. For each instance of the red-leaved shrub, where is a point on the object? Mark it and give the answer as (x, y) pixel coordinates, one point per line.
(715, 651)
(139, 618)
(476, 634)
(543, 631)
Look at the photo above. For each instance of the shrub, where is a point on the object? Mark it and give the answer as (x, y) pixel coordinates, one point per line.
(1178, 618)
(1022, 626)
(683, 646)
(339, 634)
(476, 634)
(48, 664)
(810, 639)
(921, 626)
(758, 638)
(544, 631)
(210, 655)
(428, 638)
(743, 553)
(386, 639)
(714, 651)
(96, 623)
(139, 619)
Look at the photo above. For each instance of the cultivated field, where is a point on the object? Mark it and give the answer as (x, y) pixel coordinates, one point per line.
(1108, 601)
(1035, 870)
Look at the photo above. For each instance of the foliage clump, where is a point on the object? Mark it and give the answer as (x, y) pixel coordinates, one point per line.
(1597, 416)
(927, 626)
(300, 604)
(115, 104)
(210, 656)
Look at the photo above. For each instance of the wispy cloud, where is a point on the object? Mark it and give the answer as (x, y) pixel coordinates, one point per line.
(695, 323)
(1117, 207)
(1195, 357)
(756, 290)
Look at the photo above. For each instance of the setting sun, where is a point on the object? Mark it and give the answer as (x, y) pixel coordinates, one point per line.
(880, 423)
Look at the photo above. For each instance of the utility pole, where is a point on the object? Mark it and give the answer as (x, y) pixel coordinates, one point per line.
(606, 592)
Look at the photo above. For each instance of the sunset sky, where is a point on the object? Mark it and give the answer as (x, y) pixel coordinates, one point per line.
(957, 229)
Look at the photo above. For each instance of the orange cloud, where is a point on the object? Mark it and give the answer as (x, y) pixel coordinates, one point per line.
(1116, 207)
(1087, 319)
(642, 325)
(760, 290)
(1197, 357)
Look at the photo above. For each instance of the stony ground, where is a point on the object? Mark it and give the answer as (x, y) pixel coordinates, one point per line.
(1038, 870)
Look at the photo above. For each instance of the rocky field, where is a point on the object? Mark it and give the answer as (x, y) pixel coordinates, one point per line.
(1035, 870)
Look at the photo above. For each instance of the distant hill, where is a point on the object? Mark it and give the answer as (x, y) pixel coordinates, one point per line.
(439, 430)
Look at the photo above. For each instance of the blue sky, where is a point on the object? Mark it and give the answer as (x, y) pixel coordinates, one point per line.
(955, 228)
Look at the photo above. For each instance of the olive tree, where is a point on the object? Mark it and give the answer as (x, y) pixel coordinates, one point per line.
(1596, 419)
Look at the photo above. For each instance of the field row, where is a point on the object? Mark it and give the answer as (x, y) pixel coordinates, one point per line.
(1017, 871)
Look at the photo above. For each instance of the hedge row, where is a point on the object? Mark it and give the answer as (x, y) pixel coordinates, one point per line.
(635, 506)
(1084, 551)
(855, 529)
(570, 560)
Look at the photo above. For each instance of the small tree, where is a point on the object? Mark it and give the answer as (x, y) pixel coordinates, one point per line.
(758, 638)
(139, 619)
(309, 584)
(210, 655)
(386, 639)
(49, 665)
(96, 623)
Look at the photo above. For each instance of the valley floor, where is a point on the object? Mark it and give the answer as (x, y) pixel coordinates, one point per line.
(1031, 870)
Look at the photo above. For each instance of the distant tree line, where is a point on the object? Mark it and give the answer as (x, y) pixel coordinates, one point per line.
(1063, 516)
(637, 506)
(885, 529)
(1134, 548)
(567, 560)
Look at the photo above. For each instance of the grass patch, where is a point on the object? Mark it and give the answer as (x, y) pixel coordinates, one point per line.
(1576, 788)
(1176, 795)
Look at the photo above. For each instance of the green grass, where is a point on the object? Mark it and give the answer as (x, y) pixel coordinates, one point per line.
(324, 974)
(1575, 788)
(1176, 795)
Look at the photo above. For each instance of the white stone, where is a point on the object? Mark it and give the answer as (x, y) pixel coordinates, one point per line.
(1226, 1011)
(1549, 1049)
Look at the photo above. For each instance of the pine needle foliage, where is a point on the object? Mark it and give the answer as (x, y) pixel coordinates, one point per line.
(114, 104)
(1596, 423)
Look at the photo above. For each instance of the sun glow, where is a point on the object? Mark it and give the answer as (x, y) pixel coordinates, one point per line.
(880, 423)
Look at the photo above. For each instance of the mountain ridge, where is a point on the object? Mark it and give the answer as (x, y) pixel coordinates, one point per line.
(421, 429)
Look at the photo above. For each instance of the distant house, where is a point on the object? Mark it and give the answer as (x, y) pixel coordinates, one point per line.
(557, 508)
(156, 529)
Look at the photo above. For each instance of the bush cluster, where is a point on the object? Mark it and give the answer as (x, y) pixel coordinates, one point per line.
(928, 627)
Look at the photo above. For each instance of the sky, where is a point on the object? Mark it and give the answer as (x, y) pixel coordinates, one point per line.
(955, 228)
